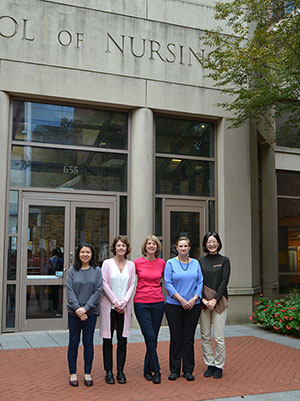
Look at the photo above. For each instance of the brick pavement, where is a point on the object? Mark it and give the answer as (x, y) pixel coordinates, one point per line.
(253, 366)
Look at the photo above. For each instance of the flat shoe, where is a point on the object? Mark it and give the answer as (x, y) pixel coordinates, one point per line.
(173, 376)
(148, 376)
(109, 378)
(74, 383)
(156, 378)
(121, 378)
(218, 373)
(189, 377)
(88, 383)
(209, 371)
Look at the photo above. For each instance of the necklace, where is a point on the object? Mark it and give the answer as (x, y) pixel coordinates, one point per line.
(184, 268)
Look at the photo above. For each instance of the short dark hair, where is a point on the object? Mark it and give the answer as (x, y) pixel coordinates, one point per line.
(211, 234)
(125, 241)
(77, 263)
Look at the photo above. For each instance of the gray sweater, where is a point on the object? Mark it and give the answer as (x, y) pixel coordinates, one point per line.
(84, 288)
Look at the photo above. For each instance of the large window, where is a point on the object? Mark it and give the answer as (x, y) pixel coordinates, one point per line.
(288, 230)
(184, 180)
(184, 157)
(59, 146)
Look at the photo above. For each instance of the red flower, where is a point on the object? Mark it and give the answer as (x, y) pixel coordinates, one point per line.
(255, 303)
(298, 328)
(283, 310)
(276, 328)
(292, 317)
(276, 315)
(250, 317)
(288, 327)
(260, 295)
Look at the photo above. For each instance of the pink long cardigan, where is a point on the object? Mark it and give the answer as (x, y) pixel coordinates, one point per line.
(108, 298)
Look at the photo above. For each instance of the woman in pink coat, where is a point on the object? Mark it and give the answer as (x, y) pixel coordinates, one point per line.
(118, 276)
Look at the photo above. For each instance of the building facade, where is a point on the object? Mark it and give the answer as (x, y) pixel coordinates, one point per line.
(109, 126)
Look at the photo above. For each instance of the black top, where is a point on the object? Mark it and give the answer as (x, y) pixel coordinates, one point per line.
(216, 272)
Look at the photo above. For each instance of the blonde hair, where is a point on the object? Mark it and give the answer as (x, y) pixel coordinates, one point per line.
(184, 239)
(156, 240)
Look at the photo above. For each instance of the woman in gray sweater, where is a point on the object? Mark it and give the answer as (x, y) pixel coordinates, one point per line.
(84, 287)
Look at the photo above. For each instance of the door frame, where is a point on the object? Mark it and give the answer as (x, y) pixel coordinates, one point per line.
(69, 202)
(182, 205)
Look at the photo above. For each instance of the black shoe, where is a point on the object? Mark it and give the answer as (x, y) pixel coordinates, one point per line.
(173, 376)
(88, 383)
(109, 378)
(74, 383)
(218, 373)
(148, 376)
(209, 371)
(121, 378)
(156, 378)
(189, 377)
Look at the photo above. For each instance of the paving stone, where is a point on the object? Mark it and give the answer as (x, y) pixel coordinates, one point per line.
(253, 366)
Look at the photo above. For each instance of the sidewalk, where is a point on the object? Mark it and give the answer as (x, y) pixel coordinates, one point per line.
(260, 366)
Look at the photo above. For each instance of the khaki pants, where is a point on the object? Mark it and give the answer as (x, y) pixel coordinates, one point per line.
(207, 319)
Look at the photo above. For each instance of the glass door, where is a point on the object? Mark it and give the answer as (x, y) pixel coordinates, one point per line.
(52, 229)
(44, 263)
(93, 223)
(187, 220)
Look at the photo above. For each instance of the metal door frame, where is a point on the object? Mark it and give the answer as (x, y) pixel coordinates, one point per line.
(69, 202)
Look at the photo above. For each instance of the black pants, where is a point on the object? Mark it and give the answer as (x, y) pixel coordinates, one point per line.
(182, 325)
(116, 322)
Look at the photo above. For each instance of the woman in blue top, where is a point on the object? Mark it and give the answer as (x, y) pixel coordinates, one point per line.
(183, 282)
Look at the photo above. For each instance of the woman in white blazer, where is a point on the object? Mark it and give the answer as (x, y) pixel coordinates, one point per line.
(118, 275)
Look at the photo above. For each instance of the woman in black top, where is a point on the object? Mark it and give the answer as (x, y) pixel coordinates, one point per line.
(216, 272)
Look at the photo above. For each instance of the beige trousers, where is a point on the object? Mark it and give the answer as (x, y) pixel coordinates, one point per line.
(210, 318)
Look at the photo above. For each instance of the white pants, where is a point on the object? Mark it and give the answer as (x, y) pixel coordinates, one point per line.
(207, 319)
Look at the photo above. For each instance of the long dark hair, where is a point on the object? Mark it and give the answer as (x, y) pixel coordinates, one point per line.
(77, 263)
(211, 234)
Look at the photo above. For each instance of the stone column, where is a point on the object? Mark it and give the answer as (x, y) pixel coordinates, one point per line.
(4, 124)
(141, 182)
(141, 179)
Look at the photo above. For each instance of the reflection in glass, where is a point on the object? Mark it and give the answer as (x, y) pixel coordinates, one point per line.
(12, 258)
(13, 212)
(44, 301)
(185, 224)
(10, 306)
(184, 177)
(123, 215)
(288, 183)
(184, 137)
(45, 241)
(67, 125)
(288, 244)
(59, 168)
(92, 226)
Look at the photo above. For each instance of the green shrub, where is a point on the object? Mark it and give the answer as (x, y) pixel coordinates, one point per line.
(279, 315)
